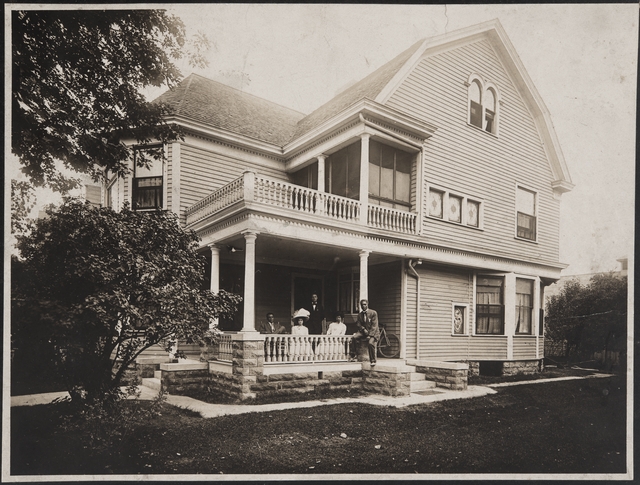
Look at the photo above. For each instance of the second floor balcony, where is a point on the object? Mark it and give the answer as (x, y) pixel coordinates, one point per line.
(255, 192)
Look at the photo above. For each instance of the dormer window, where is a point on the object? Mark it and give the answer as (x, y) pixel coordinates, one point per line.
(483, 104)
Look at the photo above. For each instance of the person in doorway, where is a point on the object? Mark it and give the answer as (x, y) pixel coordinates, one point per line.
(271, 326)
(368, 330)
(316, 316)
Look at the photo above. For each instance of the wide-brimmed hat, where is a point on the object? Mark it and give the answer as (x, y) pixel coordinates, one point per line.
(301, 313)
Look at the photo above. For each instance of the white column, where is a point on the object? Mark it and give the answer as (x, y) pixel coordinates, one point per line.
(535, 320)
(510, 311)
(215, 269)
(215, 276)
(364, 275)
(175, 178)
(321, 160)
(249, 324)
(364, 177)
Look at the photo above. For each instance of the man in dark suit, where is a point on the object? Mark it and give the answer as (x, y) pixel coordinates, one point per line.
(270, 326)
(317, 316)
(368, 330)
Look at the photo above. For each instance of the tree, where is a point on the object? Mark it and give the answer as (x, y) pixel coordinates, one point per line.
(590, 318)
(101, 286)
(22, 201)
(76, 88)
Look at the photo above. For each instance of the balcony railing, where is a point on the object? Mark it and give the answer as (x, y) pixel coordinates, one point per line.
(292, 349)
(257, 189)
(392, 219)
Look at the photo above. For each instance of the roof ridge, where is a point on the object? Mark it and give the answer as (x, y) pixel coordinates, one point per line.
(186, 89)
(245, 93)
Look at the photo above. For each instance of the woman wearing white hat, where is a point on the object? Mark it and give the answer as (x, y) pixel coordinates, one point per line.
(299, 317)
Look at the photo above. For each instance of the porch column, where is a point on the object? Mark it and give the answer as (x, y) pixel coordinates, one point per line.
(321, 160)
(249, 324)
(364, 275)
(215, 276)
(510, 311)
(364, 177)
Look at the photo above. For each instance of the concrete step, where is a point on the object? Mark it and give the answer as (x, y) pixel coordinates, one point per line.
(422, 385)
(152, 383)
(157, 374)
(417, 376)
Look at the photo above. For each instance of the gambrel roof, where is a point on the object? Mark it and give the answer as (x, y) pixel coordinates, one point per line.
(219, 106)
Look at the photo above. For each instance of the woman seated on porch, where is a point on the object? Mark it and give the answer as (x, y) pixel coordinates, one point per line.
(338, 327)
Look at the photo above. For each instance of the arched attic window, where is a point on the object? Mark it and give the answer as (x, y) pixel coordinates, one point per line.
(483, 104)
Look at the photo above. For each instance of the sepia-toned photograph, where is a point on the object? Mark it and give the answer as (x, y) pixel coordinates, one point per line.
(268, 242)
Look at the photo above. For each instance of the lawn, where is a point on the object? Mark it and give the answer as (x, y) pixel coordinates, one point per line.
(576, 426)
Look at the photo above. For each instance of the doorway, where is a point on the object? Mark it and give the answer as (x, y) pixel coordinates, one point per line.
(302, 287)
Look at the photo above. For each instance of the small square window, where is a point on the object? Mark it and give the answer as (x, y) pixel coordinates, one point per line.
(473, 213)
(435, 203)
(455, 208)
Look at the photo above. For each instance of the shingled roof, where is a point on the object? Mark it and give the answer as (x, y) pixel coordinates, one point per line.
(221, 106)
(369, 87)
(218, 105)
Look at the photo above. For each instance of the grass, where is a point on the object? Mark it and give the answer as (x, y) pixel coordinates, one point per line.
(576, 426)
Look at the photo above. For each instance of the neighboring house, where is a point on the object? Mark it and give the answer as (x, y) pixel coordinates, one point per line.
(431, 187)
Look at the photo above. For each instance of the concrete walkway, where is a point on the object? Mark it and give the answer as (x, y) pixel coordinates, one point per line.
(214, 410)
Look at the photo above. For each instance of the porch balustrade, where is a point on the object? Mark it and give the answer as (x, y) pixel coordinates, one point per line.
(223, 348)
(258, 189)
(283, 349)
(392, 219)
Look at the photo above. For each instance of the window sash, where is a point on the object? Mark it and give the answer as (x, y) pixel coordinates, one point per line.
(147, 193)
(526, 226)
(489, 319)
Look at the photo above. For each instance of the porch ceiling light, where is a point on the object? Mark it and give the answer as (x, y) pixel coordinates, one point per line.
(233, 249)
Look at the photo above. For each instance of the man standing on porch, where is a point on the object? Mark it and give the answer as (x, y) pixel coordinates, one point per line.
(368, 320)
(317, 316)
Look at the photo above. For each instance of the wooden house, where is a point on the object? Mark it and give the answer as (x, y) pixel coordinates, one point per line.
(431, 187)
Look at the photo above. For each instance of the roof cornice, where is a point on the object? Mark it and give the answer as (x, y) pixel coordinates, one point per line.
(390, 116)
(226, 136)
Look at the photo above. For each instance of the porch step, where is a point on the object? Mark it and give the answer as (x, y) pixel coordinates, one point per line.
(152, 383)
(422, 385)
(417, 376)
(158, 374)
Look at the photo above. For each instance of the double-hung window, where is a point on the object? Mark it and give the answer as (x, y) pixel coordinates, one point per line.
(526, 214)
(148, 181)
(389, 176)
(524, 306)
(490, 305)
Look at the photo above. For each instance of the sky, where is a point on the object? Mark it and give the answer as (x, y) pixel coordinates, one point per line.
(581, 58)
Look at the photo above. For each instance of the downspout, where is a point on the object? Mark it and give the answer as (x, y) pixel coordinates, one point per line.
(411, 270)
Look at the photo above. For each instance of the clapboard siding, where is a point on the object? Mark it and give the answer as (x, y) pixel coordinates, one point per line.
(439, 289)
(169, 178)
(464, 159)
(487, 348)
(410, 317)
(385, 294)
(203, 171)
(524, 347)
